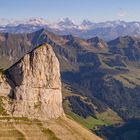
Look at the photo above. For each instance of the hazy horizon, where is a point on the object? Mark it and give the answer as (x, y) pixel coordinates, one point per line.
(59, 19)
(77, 10)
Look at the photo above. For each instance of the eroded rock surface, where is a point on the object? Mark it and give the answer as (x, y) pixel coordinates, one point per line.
(34, 85)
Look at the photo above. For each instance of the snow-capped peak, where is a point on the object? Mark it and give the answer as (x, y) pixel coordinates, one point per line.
(86, 22)
(65, 22)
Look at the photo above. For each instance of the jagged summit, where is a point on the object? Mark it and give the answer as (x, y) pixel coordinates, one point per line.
(65, 22)
(98, 43)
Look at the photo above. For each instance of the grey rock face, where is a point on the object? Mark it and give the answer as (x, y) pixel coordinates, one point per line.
(35, 85)
(4, 86)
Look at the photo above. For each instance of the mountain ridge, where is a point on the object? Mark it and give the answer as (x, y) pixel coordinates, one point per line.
(87, 29)
(65, 50)
(106, 79)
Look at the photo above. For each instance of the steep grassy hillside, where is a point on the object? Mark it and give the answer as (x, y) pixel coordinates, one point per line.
(81, 110)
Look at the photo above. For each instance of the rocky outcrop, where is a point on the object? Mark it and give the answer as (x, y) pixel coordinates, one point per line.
(34, 85)
(32, 88)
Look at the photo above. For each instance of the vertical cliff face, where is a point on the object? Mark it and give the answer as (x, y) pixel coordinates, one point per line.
(34, 85)
(32, 88)
(5, 88)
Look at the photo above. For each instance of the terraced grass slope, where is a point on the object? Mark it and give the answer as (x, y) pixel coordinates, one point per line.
(60, 129)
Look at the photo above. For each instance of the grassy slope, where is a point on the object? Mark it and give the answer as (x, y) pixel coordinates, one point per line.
(131, 78)
(60, 129)
(26, 129)
(108, 117)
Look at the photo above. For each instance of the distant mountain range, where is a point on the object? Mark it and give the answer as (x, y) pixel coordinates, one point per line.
(86, 29)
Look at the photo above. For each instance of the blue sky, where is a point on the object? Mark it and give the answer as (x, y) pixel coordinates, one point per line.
(95, 10)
